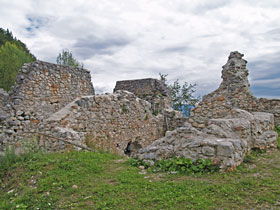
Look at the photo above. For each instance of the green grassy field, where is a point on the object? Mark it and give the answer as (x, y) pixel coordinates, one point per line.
(85, 180)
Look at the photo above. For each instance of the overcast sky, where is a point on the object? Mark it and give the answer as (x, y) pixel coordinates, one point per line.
(132, 39)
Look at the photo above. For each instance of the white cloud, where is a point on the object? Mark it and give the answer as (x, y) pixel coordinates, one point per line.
(124, 39)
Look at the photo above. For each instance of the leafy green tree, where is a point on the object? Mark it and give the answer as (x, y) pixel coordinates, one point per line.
(7, 36)
(66, 58)
(12, 57)
(182, 95)
(13, 54)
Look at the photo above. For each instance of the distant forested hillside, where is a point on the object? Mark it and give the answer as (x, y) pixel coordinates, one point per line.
(13, 54)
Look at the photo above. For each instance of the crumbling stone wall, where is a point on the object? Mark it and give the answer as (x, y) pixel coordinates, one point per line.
(151, 90)
(41, 89)
(3, 97)
(119, 123)
(159, 95)
(233, 92)
(271, 106)
(224, 141)
(3, 114)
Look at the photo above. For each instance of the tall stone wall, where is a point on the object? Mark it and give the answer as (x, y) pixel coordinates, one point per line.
(41, 89)
(120, 123)
(233, 92)
(151, 90)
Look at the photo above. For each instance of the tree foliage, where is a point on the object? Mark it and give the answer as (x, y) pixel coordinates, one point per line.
(182, 95)
(7, 36)
(66, 58)
(13, 54)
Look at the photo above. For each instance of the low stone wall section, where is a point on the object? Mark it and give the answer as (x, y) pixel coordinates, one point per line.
(120, 123)
(224, 141)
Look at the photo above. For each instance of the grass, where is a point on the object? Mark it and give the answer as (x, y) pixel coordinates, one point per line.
(85, 180)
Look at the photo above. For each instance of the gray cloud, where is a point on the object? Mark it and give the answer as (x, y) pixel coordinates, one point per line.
(175, 49)
(93, 45)
(205, 5)
(121, 39)
(265, 76)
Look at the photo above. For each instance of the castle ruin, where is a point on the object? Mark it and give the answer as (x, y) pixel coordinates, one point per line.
(137, 119)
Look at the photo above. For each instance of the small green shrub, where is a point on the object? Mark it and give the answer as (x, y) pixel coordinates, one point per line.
(124, 109)
(147, 117)
(30, 145)
(182, 165)
(136, 163)
(255, 152)
(155, 112)
(277, 129)
(29, 149)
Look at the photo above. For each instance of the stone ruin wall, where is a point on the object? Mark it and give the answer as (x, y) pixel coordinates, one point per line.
(118, 122)
(224, 141)
(60, 101)
(269, 105)
(159, 95)
(151, 90)
(220, 128)
(41, 89)
(233, 92)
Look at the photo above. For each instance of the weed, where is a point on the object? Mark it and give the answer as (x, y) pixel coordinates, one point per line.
(277, 129)
(7, 160)
(124, 109)
(254, 153)
(147, 116)
(182, 165)
(30, 145)
(155, 112)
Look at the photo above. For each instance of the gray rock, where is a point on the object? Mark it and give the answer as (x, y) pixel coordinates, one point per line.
(225, 149)
(208, 151)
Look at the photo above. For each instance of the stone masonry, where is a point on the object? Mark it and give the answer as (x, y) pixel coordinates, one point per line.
(41, 89)
(225, 141)
(159, 95)
(118, 122)
(59, 101)
(234, 92)
(151, 90)
(220, 128)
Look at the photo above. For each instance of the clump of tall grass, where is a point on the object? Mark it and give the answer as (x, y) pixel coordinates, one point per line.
(29, 148)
